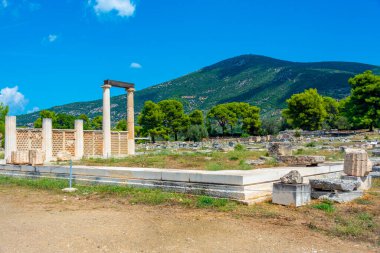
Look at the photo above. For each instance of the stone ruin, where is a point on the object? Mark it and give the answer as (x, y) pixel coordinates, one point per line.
(357, 167)
(282, 151)
(291, 191)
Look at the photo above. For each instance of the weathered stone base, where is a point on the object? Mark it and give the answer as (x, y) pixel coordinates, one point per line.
(340, 197)
(304, 160)
(365, 182)
(291, 194)
(245, 186)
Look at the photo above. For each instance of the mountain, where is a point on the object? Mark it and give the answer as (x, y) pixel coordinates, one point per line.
(259, 80)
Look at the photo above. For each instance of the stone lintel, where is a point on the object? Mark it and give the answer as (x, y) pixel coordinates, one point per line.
(119, 84)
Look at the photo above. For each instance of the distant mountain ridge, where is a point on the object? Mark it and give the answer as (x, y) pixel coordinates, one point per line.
(259, 80)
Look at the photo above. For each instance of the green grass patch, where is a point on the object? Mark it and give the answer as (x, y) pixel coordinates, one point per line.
(325, 205)
(1, 155)
(354, 226)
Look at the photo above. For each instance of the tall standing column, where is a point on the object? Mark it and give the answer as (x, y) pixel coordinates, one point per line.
(79, 139)
(47, 138)
(106, 121)
(10, 138)
(131, 122)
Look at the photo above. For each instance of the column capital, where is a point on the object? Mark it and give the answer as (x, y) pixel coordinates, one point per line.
(130, 89)
(106, 86)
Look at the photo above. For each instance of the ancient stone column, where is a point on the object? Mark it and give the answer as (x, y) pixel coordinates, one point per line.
(131, 122)
(106, 121)
(47, 139)
(10, 138)
(78, 139)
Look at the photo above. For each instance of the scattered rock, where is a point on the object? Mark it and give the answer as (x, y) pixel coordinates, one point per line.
(279, 149)
(293, 177)
(332, 184)
(63, 156)
(302, 160)
(342, 197)
(255, 162)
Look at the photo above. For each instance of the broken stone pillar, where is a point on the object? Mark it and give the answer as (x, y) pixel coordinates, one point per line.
(278, 149)
(20, 157)
(131, 121)
(106, 121)
(356, 163)
(10, 138)
(47, 139)
(36, 157)
(79, 139)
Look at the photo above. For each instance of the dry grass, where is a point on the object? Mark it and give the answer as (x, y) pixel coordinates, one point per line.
(357, 221)
(233, 160)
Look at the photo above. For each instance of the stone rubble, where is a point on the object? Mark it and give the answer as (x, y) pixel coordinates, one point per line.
(293, 177)
(302, 160)
(276, 149)
(334, 184)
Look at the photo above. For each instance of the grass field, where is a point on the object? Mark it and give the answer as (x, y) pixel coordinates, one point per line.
(358, 220)
(216, 160)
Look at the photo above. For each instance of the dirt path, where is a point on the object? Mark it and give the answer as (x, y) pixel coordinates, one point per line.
(37, 221)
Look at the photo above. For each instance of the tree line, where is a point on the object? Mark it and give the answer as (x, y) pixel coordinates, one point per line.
(360, 110)
(307, 110)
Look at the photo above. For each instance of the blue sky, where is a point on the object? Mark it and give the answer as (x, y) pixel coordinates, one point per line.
(59, 51)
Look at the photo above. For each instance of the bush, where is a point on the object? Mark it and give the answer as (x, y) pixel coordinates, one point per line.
(239, 147)
(311, 144)
(244, 135)
(196, 133)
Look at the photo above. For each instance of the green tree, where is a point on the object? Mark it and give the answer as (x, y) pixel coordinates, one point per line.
(121, 125)
(97, 123)
(196, 118)
(44, 114)
(196, 133)
(3, 113)
(332, 108)
(175, 120)
(305, 110)
(64, 121)
(223, 116)
(86, 122)
(151, 120)
(251, 120)
(363, 104)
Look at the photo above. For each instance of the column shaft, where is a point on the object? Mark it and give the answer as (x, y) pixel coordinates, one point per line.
(131, 121)
(47, 139)
(10, 138)
(78, 139)
(106, 121)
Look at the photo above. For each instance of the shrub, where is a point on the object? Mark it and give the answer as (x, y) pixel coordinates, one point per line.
(239, 147)
(311, 144)
(244, 135)
(196, 133)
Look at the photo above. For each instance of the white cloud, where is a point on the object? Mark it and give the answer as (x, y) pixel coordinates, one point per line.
(13, 98)
(52, 37)
(34, 109)
(124, 8)
(135, 65)
(4, 3)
